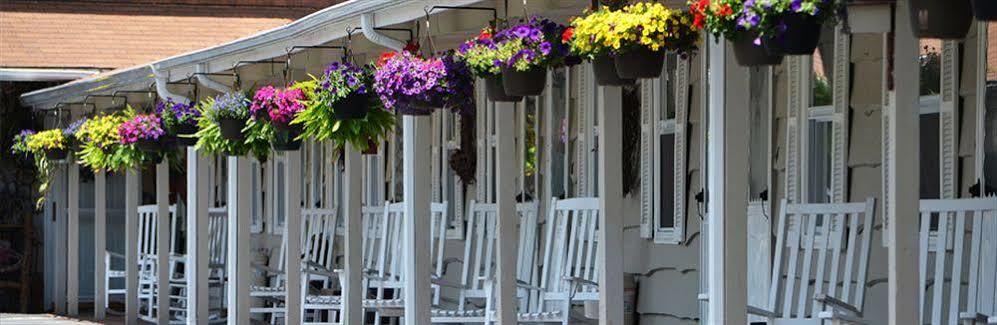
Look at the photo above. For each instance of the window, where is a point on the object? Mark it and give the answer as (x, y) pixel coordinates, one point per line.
(664, 104)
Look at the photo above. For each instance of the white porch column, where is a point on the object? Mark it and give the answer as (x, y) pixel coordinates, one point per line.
(58, 198)
(99, 244)
(903, 164)
(239, 248)
(163, 249)
(73, 239)
(416, 149)
(292, 234)
(610, 204)
(133, 193)
(198, 254)
(352, 195)
(727, 186)
(507, 218)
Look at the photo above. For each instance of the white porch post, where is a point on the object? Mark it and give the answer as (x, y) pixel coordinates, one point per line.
(352, 195)
(416, 149)
(239, 248)
(292, 234)
(727, 189)
(198, 254)
(163, 248)
(903, 163)
(59, 203)
(610, 204)
(73, 239)
(505, 199)
(99, 244)
(132, 196)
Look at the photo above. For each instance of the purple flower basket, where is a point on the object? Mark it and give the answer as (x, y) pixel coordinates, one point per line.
(800, 37)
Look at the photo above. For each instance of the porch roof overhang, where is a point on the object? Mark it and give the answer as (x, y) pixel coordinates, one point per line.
(320, 27)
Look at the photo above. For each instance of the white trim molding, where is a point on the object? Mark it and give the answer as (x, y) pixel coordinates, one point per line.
(38, 74)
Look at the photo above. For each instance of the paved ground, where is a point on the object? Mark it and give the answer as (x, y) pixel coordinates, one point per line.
(46, 319)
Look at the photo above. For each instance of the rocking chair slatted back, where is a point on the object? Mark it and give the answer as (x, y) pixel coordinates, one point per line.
(319, 237)
(148, 229)
(570, 251)
(480, 249)
(218, 237)
(387, 242)
(821, 249)
(944, 254)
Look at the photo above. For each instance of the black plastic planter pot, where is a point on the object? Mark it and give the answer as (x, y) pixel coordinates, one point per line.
(148, 145)
(524, 83)
(496, 91)
(284, 138)
(55, 154)
(800, 38)
(641, 63)
(185, 135)
(605, 72)
(750, 55)
(231, 128)
(948, 19)
(353, 106)
(985, 10)
(416, 108)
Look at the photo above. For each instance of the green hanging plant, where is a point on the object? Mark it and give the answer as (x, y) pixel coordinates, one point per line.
(101, 146)
(341, 107)
(24, 145)
(257, 134)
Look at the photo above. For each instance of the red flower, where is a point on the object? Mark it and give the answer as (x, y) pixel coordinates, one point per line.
(386, 56)
(725, 11)
(412, 47)
(485, 34)
(568, 34)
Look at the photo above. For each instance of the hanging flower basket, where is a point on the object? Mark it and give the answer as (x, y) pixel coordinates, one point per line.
(640, 63)
(412, 85)
(640, 36)
(525, 51)
(949, 19)
(231, 128)
(799, 37)
(55, 154)
(604, 67)
(353, 106)
(750, 53)
(524, 83)
(285, 137)
(496, 90)
(185, 135)
(985, 10)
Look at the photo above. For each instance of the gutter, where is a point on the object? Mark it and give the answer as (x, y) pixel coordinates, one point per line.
(208, 82)
(44, 74)
(367, 26)
(163, 91)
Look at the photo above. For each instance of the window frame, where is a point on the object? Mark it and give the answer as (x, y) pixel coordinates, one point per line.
(656, 123)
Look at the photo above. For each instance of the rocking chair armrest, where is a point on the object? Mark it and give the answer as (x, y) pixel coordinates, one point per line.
(979, 318)
(114, 255)
(580, 281)
(445, 283)
(264, 268)
(322, 272)
(525, 285)
(752, 310)
(837, 304)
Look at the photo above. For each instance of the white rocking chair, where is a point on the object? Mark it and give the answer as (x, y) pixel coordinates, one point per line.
(318, 229)
(148, 231)
(828, 283)
(944, 254)
(384, 276)
(478, 264)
